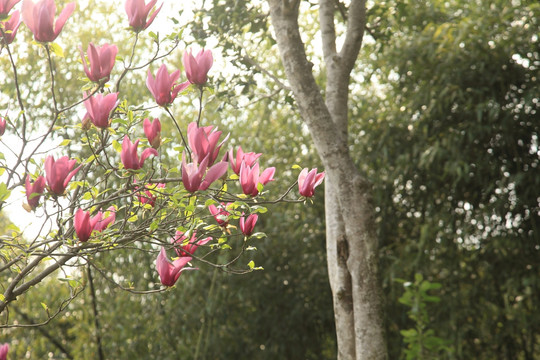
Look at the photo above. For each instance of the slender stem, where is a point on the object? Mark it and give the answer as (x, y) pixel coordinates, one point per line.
(179, 130)
(21, 105)
(201, 90)
(51, 71)
(95, 310)
(126, 68)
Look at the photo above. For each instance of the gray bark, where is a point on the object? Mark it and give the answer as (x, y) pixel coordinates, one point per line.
(351, 239)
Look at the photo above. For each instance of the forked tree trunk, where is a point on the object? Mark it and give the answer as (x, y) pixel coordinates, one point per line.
(350, 229)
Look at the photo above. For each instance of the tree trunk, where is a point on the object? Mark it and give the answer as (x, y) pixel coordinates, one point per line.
(351, 239)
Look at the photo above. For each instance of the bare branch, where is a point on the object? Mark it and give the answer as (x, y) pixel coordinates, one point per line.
(356, 25)
(328, 31)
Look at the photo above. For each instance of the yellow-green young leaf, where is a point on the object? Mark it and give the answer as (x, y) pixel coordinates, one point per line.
(56, 49)
(260, 187)
(209, 202)
(87, 196)
(234, 177)
(133, 218)
(45, 306)
(259, 209)
(2, 298)
(295, 166)
(251, 264)
(4, 192)
(116, 146)
(91, 158)
(2, 170)
(65, 142)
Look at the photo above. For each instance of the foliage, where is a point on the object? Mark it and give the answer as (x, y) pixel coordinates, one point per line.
(422, 343)
(451, 145)
(119, 272)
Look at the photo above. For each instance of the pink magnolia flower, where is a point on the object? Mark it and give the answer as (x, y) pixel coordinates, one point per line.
(247, 225)
(185, 247)
(163, 87)
(152, 130)
(129, 155)
(9, 28)
(197, 67)
(307, 182)
(101, 61)
(192, 175)
(6, 6)
(250, 178)
(249, 158)
(4, 348)
(39, 17)
(220, 213)
(147, 196)
(137, 12)
(168, 271)
(99, 108)
(101, 222)
(203, 142)
(34, 191)
(85, 225)
(3, 124)
(58, 173)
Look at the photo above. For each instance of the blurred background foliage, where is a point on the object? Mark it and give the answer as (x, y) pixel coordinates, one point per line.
(444, 122)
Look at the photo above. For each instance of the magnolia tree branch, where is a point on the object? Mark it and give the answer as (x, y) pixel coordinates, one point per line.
(144, 212)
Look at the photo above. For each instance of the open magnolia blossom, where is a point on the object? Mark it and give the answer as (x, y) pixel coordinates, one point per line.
(197, 67)
(164, 87)
(247, 225)
(85, 225)
(197, 177)
(39, 17)
(203, 142)
(129, 155)
(6, 6)
(308, 181)
(137, 12)
(149, 194)
(152, 130)
(249, 159)
(250, 177)
(4, 348)
(220, 213)
(101, 59)
(169, 271)
(185, 247)
(99, 108)
(34, 191)
(9, 28)
(58, 173)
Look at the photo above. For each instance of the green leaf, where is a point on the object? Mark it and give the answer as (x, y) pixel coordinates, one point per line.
(56, 49)
(65, 142)
(4, 192)
(116, 146)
